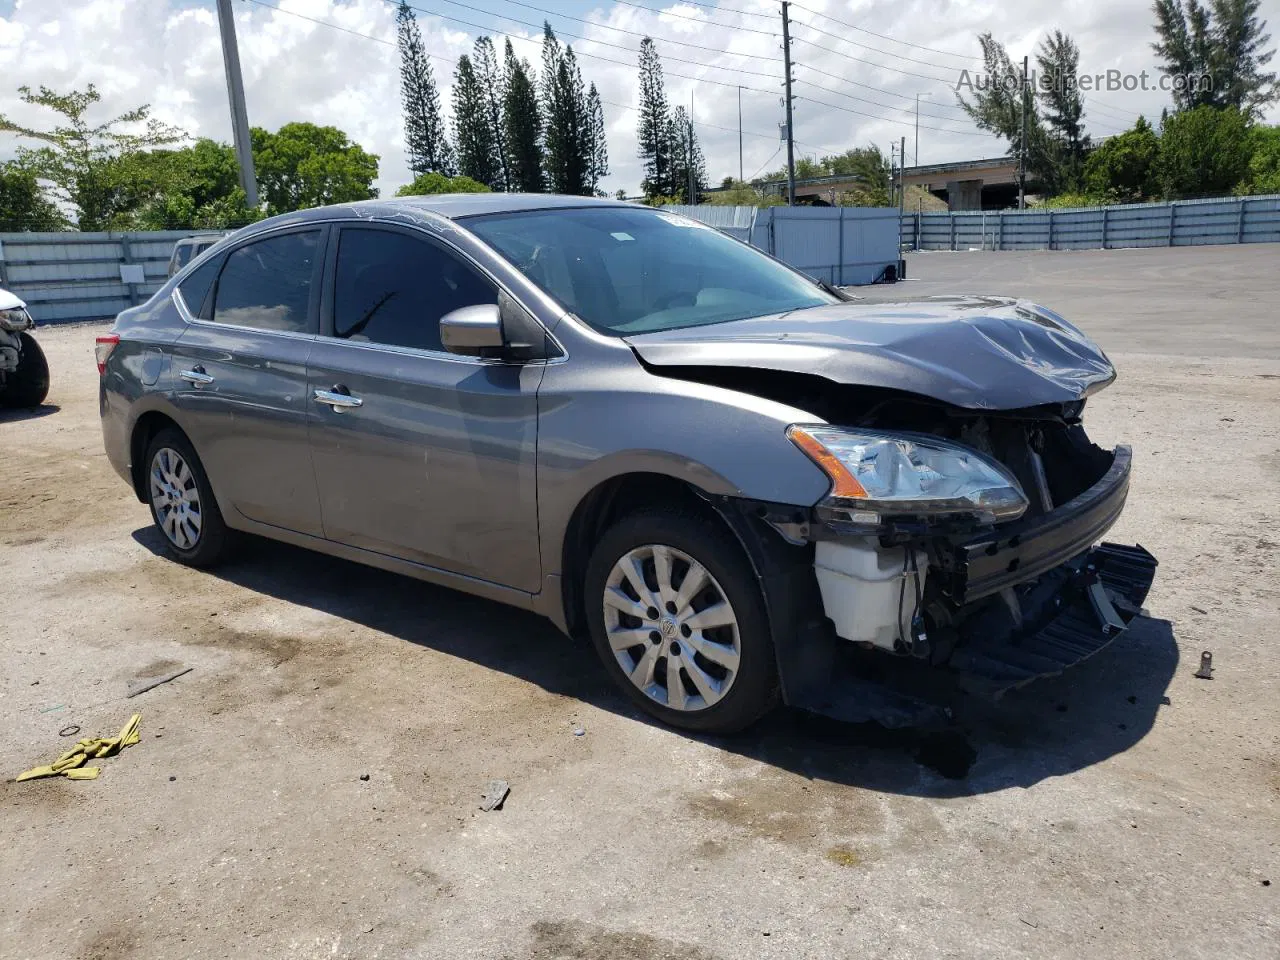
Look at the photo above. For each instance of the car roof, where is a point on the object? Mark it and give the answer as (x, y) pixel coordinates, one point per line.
(454, 206)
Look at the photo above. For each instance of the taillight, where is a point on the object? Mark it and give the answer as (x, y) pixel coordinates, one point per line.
(102, 347)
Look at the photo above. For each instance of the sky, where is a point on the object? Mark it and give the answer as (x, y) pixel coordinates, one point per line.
(858, 66)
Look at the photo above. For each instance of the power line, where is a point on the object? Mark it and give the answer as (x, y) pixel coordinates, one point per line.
(869, 63)
(685, 16)
(719, 9)
(593, 23)
(453, 63)
(881, 36)
(887, 53)
(872, 116)
(887, 106)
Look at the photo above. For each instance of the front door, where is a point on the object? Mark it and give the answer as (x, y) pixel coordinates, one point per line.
(421, 454)
(240, 379)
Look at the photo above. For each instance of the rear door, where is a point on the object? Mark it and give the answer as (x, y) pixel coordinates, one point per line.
(436, 463)
(240, 377)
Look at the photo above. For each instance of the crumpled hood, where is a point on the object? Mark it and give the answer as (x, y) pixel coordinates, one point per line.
(992, 353)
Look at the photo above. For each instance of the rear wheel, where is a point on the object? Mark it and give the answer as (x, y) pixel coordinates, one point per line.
(182, 503)
(29, 384)
(677, 617)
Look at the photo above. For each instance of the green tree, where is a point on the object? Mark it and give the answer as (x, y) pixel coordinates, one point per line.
(997, 100)
(567, 135)
(196, 187)
(79, 159)
(652, 131)
(1058, 59)
(1122, 169)
(303, 165)
(522, 123)
(686, 156)
(1204, 152)
(23, 205)
(1216, 55)
(739, 194)
(425, 184)
(599, 144)
(424, 132)
(472, 132)
(1263, 175)
(490, 78)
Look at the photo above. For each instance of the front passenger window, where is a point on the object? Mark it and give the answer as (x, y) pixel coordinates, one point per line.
(393, 288)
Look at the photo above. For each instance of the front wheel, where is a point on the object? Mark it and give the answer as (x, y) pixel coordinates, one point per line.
(28, 385)
(182, 502)
(677, 616)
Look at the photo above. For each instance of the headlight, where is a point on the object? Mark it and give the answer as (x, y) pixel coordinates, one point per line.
(875, 474)
(14, 319)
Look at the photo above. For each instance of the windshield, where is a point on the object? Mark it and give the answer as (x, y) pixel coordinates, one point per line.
(638, 270)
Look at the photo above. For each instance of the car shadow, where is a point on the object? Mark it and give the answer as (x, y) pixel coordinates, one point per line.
(14, 414)
(1051, 728)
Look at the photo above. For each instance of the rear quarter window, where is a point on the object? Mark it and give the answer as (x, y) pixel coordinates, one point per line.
(195, 288)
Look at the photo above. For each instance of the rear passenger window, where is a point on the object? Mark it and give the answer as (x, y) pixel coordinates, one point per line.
(267, 284)
(393, 288)
(195, 288)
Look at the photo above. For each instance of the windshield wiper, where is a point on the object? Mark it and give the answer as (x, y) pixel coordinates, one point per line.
(835, 291)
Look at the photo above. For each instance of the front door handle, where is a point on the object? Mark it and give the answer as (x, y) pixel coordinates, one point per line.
(196, 377)
(339, 398)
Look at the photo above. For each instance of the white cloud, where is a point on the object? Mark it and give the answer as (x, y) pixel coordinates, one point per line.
(167, 53)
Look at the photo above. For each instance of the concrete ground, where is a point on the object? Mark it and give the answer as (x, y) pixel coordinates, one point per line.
(1127, 809)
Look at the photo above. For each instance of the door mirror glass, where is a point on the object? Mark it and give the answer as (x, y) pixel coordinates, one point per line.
(474, 331)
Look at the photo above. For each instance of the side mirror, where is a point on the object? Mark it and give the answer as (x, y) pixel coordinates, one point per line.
(473, 331)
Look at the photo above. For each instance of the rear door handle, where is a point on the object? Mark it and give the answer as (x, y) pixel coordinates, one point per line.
(339, 399)
(196, 377)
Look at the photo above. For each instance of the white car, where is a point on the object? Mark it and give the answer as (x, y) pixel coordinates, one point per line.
(24, 372)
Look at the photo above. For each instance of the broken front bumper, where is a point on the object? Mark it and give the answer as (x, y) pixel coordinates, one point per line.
(1100, 595)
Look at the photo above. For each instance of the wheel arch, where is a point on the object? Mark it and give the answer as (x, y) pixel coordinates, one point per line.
(144, 429)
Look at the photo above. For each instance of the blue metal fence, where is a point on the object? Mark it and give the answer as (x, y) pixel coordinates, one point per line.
(1177, 224)
(842, 245)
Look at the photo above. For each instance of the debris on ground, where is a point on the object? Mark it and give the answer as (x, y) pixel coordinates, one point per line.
(495, 795)
(72, 763)
(578, 731)
(142, 686)
(1206, 666)
(364, 776)
(69, 731)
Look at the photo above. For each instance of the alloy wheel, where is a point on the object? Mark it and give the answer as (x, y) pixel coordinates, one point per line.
(176, 498)
(671, 627)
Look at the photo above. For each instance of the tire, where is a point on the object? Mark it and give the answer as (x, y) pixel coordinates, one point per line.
(29, 384)
(197, 537)
(683, 538)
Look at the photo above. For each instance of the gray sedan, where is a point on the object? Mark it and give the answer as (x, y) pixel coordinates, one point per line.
(729, 476)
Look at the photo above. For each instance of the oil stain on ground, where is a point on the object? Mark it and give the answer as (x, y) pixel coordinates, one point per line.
(575, 940)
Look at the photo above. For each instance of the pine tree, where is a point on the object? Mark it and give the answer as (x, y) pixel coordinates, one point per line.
(522, 124)
(1058, 58)
(653, 131)
(566, 135)
(685, 152)
(1216, 54)
(424, 133)
(599, 146)
(477, 154)
(491, 81)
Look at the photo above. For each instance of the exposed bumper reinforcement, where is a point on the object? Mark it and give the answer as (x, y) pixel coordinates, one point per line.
(1098, 604)
(1018, 552)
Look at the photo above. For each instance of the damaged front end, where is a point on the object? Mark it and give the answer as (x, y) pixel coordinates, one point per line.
(969, 539)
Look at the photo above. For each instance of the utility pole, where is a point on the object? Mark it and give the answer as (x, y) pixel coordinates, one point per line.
(740, 135)
(693, 175)
(1022, 141)
(235, 93)
(902, 178)
(786, 65)
(916, 162)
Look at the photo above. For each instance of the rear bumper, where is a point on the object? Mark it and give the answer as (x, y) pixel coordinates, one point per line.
(1021, 551)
